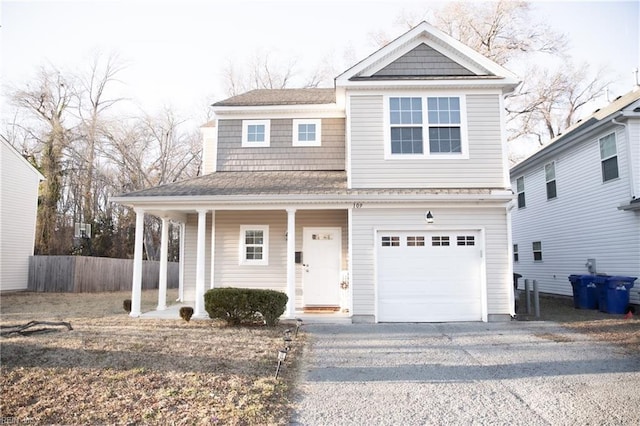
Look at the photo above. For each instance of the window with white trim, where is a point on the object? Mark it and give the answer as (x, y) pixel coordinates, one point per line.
(256, 133)
(254, 245)
(466, 240)
(516, 257)
(441, 125)
(520, 190)
(415, 241)
(440, 241)
(609, 157)
(307, 132)
(537, 251)
(390, 241)
(550, 177)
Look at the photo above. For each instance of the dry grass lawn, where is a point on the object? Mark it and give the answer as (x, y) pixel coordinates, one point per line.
(113, 369)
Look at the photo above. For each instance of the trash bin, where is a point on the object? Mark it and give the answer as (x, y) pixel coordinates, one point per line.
(585, 291)
(613, 293)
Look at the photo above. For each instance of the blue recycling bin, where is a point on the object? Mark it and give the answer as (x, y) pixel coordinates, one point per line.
(613, 293)
(585, 291)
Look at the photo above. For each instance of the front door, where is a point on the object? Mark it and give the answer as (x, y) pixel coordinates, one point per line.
(322, 262)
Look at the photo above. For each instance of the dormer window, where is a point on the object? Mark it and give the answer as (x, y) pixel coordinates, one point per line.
(441, 125)
(307, 132)
(256, 133)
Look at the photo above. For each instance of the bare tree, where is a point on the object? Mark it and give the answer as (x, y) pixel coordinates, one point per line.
(48, 100)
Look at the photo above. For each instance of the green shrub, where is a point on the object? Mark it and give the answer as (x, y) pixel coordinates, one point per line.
(186, 312)
(240, 305)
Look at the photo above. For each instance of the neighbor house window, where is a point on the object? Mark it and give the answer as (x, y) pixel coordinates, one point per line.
(307, 132)
(550, 176)
(437, 122)
(254, 245)
(256, 133)
(537, 251)
(515, 253)
(609, 157)
(520, 190)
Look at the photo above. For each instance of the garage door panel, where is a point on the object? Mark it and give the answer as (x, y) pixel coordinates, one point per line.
(435, 282)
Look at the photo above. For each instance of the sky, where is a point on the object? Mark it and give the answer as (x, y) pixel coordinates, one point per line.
(175, 51)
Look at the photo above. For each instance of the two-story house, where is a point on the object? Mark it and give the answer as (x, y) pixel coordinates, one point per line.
(386, 197)
(578, 206)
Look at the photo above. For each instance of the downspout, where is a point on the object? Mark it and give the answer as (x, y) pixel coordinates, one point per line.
(629, 157)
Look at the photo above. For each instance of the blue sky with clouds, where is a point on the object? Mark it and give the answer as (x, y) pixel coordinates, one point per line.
(176, 50)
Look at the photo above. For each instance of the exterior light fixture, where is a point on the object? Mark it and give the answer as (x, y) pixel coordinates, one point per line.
(282, 355)
(429, 217)
(287, 342)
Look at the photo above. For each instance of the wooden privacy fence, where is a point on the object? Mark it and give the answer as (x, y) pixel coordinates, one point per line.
(81, 274)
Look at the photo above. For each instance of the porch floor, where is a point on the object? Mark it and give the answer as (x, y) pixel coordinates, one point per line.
(173, 312)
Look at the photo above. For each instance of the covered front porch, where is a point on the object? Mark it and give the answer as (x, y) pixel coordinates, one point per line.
(302, 250)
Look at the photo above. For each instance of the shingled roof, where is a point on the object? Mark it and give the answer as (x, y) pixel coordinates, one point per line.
(281, 183)
(267, 97)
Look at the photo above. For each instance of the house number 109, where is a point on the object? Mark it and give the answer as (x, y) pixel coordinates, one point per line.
(357, 205)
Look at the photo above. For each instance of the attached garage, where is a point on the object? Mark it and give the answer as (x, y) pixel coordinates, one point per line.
(433, 276)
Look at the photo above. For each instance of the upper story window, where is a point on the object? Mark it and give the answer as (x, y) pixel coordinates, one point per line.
(440, 125)
(516, 256)
(256, 133)
(609, 157)
(537, 251)
(307, 132)
(254, 245)
(520, 189)
(550, 177)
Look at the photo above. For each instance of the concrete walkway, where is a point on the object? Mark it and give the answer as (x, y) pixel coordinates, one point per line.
(515, 373)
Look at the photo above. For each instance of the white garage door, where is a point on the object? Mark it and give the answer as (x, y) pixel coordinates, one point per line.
(429, 276)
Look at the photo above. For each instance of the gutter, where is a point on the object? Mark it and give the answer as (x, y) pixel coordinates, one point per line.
(630, 166)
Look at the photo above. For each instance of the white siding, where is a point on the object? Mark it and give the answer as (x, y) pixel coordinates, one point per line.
(228, 272)
(18, 210)
(485, 167)
(492, 220)
(582, 223)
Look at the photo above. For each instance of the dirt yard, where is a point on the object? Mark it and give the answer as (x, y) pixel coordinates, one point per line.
(113, 369)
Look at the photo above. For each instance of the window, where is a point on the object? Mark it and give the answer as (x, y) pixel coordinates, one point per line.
(406, 125)
(515, 253)
(441, 125)
(439, 241)
(390, 241)
(609, 157)
(307, 132)
(550, 176)
(520, 190)
(466, 240)
(256, 133)
(415, 241)
(444, 125)
(254, 245)
(537, 251)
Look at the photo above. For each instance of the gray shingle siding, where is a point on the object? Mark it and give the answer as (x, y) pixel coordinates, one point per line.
(281, 154)
(423, 61)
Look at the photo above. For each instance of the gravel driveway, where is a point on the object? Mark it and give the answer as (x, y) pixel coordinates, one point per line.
(514, 373)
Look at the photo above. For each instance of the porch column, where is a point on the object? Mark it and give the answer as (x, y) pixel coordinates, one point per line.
(199, 311)
(136, 285)
(183, 228)
(291, 265)
(164, 252)
(213, 247)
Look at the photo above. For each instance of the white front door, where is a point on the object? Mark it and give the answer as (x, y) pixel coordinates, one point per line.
(322, 262)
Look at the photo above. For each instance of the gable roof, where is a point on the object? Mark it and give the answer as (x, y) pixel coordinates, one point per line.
(573, 133)
(23, 160)
(267, 97)
(460, 61)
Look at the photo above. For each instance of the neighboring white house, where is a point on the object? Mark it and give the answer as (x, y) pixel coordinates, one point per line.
(578, 201)
(19, 182)
(386, 197)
